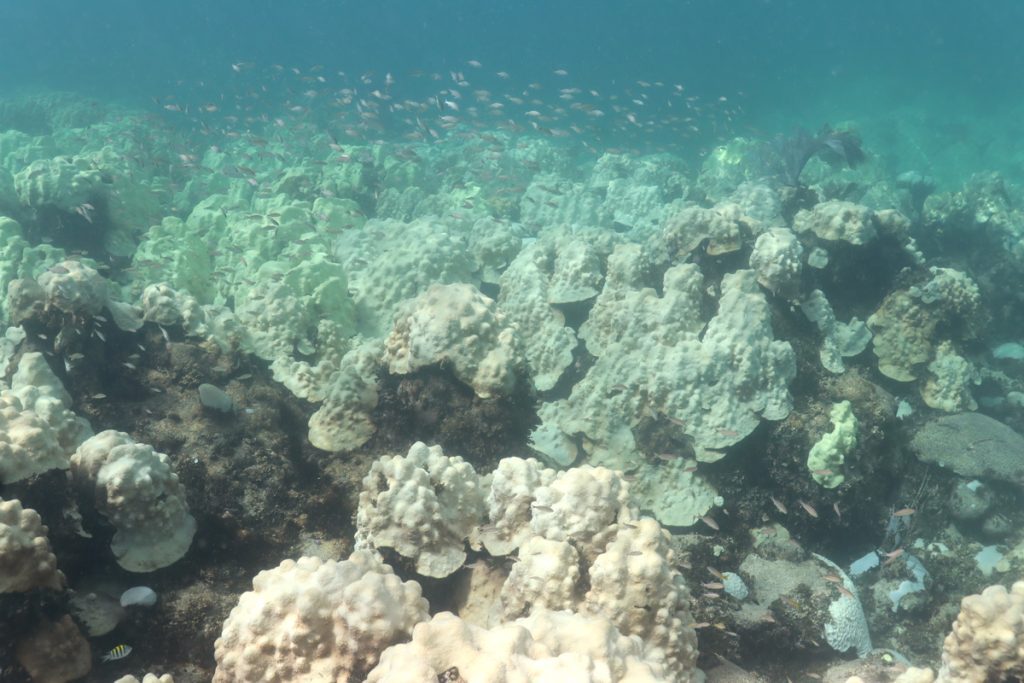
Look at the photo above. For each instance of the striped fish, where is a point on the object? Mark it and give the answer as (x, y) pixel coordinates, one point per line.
(118, 652)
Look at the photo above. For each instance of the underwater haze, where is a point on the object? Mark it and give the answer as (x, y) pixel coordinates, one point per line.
(936, 81)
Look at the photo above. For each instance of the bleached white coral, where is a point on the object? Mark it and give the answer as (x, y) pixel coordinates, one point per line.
(343, 421)
(634, 582)
(987, 640)
(161, 304)
(670, 486)
(38, 431)
(626, 310)
(134, 487)
(837, 220)
(950, 376)
(723, 226)
(291, 309)
(582, 505)
(713, 389)
(776, 259)
(40, 390)
(510, 496)
(423, 505)
(388, 262)
(65, 183)
(73, 287)
(556, 269)
(28, 444)
(457, 325)
(547, 646)
(545, 576)
(26, 561)
(311, 620)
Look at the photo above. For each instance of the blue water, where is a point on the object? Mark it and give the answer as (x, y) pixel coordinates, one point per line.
(949, 71)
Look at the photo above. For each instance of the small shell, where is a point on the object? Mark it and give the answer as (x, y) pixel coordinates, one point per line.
(143, 596)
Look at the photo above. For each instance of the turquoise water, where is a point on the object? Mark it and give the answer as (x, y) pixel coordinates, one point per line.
(934, 86)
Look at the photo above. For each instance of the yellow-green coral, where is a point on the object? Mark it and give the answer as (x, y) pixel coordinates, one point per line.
(825, 461)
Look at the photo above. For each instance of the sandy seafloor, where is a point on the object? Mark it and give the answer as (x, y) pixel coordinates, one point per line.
(801, 352)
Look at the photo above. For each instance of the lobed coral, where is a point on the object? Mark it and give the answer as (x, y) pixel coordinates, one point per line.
(458, 326)
(987, 640)
(26, 560)
(311, 620)
(423, 505)
(135, 488)
(546, 646)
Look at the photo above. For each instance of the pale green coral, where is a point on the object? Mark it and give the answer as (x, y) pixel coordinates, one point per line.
(825, 461)
(653, 364)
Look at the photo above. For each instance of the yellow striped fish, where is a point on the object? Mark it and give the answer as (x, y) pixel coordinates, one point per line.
(118, 652)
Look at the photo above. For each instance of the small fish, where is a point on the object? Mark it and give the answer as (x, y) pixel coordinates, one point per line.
(118, 652)
(894, 554)
(832, 578)
(713, 586)
(541, 508)
(710, 521)
(905, 512)
(779, 506)
(835, 506)
(700, 624)
(717, 574)
(844, 591)
(98, 397)
(808, 508)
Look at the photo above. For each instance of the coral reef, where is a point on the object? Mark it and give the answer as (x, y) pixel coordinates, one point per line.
(483, 404)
